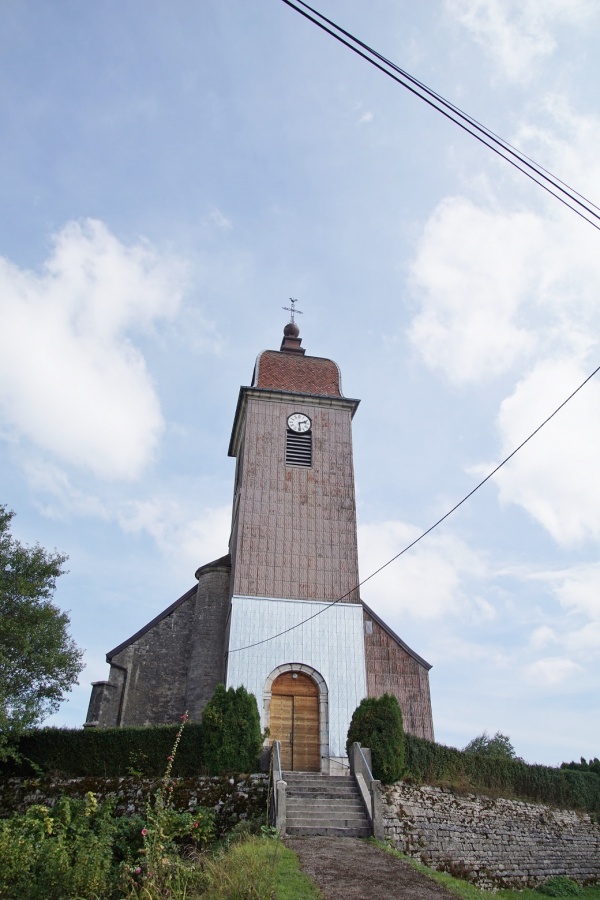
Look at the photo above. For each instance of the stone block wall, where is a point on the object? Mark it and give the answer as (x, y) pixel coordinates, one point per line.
(233, 798)
(492, 842)
(172, 664)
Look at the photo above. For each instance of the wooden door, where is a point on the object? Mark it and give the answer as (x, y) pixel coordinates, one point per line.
(295, 721)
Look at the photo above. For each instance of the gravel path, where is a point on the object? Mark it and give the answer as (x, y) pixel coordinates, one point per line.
(352, 869)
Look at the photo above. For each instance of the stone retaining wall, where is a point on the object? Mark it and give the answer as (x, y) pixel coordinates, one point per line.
(233, 798)
(494, 843)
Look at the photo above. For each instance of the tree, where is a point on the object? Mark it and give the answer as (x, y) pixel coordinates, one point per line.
(39, 662)
(498, 746)
(377, 723)
(231, 735)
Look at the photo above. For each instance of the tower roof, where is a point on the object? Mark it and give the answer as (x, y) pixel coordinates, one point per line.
(282, 371)
(289, 369)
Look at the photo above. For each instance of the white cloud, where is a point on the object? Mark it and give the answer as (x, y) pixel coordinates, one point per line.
(519, 34)
(554, 477)
(72, 381)
(220, 220)
(542, 637)
(427, 582)
(578, 589)
(61, 498)
(472, 272)
(584, 641)
(552, 672)
(184, 538)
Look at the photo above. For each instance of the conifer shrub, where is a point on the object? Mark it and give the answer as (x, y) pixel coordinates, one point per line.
(377, 724)
(231, 735)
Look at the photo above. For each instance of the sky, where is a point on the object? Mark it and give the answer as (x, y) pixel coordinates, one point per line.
(171, 175)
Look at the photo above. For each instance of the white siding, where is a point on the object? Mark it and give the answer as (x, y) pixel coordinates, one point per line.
(331, 642)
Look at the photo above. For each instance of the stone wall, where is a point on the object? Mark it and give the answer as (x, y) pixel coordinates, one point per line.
(232, 798)
(492, 842)
(173, 664)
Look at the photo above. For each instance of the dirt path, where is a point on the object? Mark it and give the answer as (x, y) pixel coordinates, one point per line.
(352, 869)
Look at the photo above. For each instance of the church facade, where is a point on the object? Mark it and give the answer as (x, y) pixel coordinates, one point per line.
(281, 613)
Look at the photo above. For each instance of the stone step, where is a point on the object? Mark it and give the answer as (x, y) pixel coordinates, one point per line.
(325, 805)
(326, 831)
(309, 796)
(316, 776)
(314, 791)
(332, 821)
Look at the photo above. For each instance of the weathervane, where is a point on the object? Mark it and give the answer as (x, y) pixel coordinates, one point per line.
(292, 309)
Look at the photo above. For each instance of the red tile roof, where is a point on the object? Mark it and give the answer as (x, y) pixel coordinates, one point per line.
(302, 374)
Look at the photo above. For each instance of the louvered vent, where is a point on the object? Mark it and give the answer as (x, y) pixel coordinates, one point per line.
(298, 449)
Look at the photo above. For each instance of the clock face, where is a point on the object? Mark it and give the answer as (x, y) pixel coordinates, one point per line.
(299, 422)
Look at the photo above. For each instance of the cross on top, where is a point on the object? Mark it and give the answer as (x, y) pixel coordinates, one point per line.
(292, 309)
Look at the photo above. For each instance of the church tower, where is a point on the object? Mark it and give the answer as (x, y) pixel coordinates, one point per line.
(294, 553)
(281, 613)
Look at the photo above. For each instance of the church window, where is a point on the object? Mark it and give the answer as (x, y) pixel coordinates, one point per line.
(298, 449)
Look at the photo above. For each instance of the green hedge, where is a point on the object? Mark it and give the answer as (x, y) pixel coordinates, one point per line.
(107, 751)
(377, 723)
(427, 762)
(232, 735)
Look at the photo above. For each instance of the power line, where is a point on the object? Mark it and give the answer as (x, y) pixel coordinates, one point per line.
(553, 185)
(429, 530)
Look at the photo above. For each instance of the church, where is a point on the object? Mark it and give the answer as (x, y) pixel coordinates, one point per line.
(281, 612)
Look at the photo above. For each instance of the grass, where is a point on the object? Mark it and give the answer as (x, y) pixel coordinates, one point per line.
(291, 882)
(258, 869)
(467, 891)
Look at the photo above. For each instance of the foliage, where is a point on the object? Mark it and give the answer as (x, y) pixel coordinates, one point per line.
(106, 752)
(583, 766)
(64, 852)
(377, 723)
(247, 870)
(432, 763)
(559, 886)
(39, 662)
(162, 872)
(231, 735)
(498, 746)
(79, 849)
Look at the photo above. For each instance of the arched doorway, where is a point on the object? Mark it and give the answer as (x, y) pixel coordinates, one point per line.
(294, 721)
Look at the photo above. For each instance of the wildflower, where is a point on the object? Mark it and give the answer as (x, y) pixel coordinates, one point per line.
(144, 831)
(170, 758)
(138, 870)
(195, 824)
(184, 717)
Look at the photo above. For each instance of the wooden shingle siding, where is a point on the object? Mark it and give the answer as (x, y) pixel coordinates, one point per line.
(391, 669)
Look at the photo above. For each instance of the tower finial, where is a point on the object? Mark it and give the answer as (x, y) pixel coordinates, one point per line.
(292, 309)
(291, 333)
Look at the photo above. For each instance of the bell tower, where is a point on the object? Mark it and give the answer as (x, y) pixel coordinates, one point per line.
(293, 538)
(294, 513)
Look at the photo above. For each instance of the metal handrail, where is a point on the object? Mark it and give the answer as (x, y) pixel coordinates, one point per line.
(333, 759)
(366, 763)
(277, 755)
